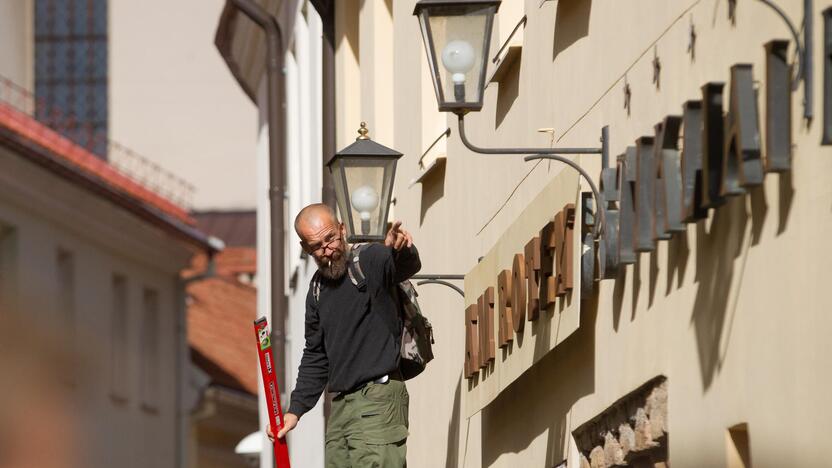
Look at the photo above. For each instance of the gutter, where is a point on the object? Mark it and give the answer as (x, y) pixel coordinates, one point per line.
(66, 170)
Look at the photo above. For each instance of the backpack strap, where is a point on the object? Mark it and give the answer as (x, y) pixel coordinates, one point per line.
(354, 268)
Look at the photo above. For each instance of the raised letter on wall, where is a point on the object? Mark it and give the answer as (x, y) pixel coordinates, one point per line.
(532, 255)
(518, 293)
(644, 195)
(506, 329)
(778, 107)
(472, 351)
(742, 165)
(548, 289)
(669, 182)
(692, 194)
(713, 148)
(485, 320)
(627, 210)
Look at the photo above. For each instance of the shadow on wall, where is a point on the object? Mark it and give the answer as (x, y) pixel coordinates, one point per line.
(716, 252)
(571, 24)
(433, 189)
(508, 91)
(540, 400)
(452, 453)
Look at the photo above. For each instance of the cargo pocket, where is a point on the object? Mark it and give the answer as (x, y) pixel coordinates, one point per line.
(383, 413)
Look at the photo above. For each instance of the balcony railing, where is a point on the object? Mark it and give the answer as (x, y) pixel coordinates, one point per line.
(125, 161)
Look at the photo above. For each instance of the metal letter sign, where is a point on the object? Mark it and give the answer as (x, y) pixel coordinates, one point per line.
(742, 165)
(778, 107)
(587, 246)
(669, 183)
(644, 195)
(485, 322)
(658, 231)
(627, 213)
(608, 246)
(506, 329)
(713, 149)
(692, 195)
(532, 252)
(472, 342)
(548, 293)
(518, 293)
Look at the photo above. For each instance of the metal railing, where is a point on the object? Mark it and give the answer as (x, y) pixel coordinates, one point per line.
(122, 159)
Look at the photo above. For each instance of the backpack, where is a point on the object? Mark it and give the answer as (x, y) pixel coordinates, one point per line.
(416, 349)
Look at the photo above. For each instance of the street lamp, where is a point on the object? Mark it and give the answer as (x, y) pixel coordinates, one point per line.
(457, 35)
(363, 174)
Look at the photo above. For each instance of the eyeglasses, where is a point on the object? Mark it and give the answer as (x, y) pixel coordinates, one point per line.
(319, 249)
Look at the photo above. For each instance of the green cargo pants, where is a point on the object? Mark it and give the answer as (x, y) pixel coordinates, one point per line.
(368, 427)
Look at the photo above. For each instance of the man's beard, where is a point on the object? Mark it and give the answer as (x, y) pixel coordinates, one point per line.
(333, 269)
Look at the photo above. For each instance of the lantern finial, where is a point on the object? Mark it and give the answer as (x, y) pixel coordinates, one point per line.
(362, 132)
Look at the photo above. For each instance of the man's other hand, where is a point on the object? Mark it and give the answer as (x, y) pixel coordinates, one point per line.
(397, 237)
(289, 423)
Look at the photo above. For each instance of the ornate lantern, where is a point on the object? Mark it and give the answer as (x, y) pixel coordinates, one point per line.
(457, 36)
(363, 174)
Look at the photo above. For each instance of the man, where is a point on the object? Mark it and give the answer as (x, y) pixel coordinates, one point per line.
(353, 338)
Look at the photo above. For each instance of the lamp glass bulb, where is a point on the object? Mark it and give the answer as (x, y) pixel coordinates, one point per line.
(364, 200)
(458, 58)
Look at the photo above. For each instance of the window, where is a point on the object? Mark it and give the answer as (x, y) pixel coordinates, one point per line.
(71, 70)
(8, 262)
(65, 297)
(149, 377)
(119, 365)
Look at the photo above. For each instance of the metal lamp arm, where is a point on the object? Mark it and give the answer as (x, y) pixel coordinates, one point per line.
(440, 279)
(554, 153)
(477, 149)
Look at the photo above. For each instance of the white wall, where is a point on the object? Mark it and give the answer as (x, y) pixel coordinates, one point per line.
(303, 185)
(173, 100)
(48, 213)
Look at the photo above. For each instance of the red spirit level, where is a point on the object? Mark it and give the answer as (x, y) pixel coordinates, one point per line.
(264, 350)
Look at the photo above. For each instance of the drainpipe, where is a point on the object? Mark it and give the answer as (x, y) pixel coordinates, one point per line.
(277, 175)
(328, 101)
(183, 410)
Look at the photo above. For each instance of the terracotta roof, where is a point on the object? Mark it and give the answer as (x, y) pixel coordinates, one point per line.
(221, 312)
(237, 228)
(230, 263)
(31, 131)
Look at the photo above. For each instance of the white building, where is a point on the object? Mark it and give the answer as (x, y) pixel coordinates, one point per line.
(87, 251)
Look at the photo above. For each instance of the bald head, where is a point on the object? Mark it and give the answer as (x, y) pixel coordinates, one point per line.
(313, 218)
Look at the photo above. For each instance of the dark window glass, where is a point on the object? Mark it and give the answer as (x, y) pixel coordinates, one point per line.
(71, 70)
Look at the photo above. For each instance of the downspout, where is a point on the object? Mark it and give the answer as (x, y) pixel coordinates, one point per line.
(277, 175)
(182, 382)
(328, 102)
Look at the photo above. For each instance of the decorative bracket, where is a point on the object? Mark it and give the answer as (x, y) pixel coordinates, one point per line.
(804, 52)
(440, 279)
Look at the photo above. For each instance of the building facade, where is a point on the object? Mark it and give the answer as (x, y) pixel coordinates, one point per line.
(707, 341)
(243, 44)
(94, 258)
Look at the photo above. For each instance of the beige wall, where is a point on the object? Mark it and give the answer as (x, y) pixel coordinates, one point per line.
(732, 312)
(17, 32)
(173, 100)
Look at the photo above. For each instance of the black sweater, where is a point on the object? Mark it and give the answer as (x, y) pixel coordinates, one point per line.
(353, 336)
